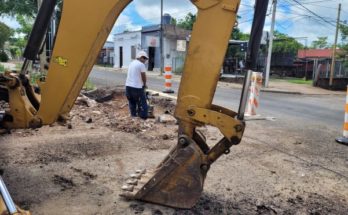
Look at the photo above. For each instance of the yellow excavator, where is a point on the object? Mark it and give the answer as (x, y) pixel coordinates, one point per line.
(83, 29)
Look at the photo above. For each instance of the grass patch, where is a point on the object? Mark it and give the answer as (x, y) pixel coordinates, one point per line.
(88, 85)
(2, 68)
(299, 81)
(292, 80)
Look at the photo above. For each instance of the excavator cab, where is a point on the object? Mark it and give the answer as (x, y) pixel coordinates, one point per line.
(84, 26)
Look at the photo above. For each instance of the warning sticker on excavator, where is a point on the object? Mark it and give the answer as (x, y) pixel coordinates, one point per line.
(61, 61)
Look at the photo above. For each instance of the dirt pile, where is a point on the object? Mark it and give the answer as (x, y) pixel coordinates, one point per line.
(112, 112)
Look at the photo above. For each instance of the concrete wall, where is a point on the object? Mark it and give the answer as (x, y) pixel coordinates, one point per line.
(126, 41)
(145, 46)
(338, 83)
(169, 49)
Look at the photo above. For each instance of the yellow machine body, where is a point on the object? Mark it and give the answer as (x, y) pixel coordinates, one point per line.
(83, 29)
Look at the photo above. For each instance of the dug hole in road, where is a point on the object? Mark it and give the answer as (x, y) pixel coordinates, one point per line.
(79, 167)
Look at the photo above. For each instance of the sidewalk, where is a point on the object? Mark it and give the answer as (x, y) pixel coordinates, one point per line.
(278, 86)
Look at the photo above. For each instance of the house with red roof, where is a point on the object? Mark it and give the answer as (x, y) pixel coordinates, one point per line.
(316, 64)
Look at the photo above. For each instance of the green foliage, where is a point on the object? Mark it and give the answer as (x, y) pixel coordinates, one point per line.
(5, 33)
(344, 46)
(238, 35)
(35, 77)
(3, 56)
(26, 24)
(173, 21)
(88, 85)
(187, 22)
(300, 81)
(344, 32)
(18, 7)
(285, 44)
(2, 68)
(320, 43)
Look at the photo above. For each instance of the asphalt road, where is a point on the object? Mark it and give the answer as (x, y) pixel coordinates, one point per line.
(324, 111)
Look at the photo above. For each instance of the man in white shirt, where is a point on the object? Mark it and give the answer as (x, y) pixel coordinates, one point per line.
(135, 86)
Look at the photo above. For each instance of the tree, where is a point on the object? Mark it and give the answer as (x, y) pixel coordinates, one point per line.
(187, 22)
(26, 25)
(344, 46)
(173, 21)
(5, 33)
(285, 44)
(320, 43)
(18, 7)
(344, 32)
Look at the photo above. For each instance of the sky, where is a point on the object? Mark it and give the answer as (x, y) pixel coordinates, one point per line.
(291, 18)
(311, 19)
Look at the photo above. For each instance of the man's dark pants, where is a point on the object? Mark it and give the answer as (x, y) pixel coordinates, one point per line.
(137, 102)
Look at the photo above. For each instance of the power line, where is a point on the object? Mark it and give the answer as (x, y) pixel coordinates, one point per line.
(320, 17)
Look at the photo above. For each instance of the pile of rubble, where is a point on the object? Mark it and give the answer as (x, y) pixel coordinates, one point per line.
(108, 107)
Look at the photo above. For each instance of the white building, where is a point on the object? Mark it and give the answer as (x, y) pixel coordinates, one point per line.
(126, 45)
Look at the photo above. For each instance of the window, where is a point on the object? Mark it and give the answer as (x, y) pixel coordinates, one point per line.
(133, 52)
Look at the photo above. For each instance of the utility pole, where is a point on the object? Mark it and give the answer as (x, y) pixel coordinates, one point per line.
(334, 47)
(161, 41)
(270, 47)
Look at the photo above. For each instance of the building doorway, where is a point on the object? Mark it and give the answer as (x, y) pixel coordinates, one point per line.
(121, 56)
(151, 58)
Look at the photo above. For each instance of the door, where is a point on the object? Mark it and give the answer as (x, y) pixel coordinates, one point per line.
(121, 56)
(151, 58)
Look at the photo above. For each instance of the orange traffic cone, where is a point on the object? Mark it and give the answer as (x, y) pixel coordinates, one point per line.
(344, 139)
(168, 80)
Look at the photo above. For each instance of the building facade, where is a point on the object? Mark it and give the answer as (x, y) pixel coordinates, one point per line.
(175, 41)
(126, 46)
(106, 54)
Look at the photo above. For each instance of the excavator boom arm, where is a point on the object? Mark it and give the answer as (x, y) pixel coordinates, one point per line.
(84, 26)
(83, 30)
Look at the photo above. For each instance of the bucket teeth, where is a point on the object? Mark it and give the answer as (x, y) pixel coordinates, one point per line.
(176, 182)
(135, 182)
(132, 181)
(138, 174)
(140, 171)
(128, 195)
(128, 188)
(135, 176)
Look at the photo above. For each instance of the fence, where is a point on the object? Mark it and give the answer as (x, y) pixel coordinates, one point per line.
(323, 68)
(178, 64)
(105, 61)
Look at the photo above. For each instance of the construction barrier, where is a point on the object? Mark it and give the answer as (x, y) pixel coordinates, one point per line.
(344, 139)
(255, 88)
(168, 80)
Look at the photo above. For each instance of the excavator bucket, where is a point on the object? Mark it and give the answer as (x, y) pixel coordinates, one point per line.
(176, 182)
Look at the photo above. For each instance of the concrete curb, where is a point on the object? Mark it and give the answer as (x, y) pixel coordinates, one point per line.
(283, 92)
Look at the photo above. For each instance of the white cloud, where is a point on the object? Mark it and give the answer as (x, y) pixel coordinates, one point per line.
(151, 10)
(124, 22)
